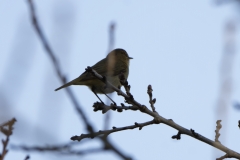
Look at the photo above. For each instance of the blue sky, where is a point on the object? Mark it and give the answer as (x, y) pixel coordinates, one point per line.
(177, 46)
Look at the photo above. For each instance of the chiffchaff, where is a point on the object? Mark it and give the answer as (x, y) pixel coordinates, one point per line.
(116, 62)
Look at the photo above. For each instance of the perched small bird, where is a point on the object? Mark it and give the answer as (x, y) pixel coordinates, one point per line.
(116, 62)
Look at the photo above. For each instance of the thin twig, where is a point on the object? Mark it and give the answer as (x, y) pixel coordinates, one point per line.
(27, 157)
(218, 127)
(223, 157)
(6, 129)
(61, 150)
(105, 108)
(177, 136)
(151, 100)
(114, 129)
(56, 64)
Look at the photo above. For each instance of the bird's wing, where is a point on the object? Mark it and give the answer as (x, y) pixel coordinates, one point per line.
(86, 76)
(99, 67)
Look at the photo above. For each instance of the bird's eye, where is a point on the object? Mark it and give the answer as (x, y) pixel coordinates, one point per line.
(123, 53)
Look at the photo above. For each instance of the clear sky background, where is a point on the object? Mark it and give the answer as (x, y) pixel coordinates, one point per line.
(178, 47)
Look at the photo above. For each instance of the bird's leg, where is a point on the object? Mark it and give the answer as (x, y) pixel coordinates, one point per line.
(109, 98)
(96, 94)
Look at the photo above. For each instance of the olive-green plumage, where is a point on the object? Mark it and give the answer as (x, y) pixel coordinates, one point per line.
(117, 61)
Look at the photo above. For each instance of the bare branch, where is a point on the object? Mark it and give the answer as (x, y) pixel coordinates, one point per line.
(218, 127)
(223, 157)
(177, 137)
(127, 87)
(105, 108)
(151, 100)
(170, 122)
(105, 133)
(6, 129)
(27, 157)
(56, 64)
(63, 150)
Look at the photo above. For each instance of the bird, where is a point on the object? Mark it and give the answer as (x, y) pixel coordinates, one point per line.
(116, 63)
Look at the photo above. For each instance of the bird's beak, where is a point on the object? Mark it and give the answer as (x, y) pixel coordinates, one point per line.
(130, 57)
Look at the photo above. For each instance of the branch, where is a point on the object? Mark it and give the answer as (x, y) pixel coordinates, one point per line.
(64, 150)
(60, 75)
(6, 128)
(159, 119)
(27, 157)
(223, 157)
(105, 108)
(151, 101)
(105, 133)
(56, 63)
(178, 136)
(218, 127)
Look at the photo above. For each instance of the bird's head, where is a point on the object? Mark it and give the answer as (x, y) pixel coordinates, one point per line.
(119, 55)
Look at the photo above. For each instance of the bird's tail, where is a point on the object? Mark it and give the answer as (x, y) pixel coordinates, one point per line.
(63, 86)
